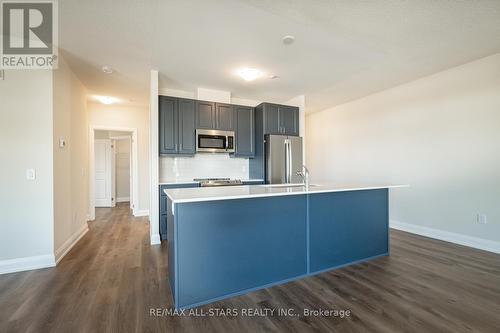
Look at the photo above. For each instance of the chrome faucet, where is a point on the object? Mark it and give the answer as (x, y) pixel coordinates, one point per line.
(305, 176)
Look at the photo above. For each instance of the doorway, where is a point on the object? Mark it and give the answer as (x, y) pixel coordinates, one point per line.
(113, 168)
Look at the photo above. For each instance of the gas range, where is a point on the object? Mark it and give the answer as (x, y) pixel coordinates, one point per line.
(211, 182)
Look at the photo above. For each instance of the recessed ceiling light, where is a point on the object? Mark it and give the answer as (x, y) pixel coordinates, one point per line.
(107, 70)
(106, 99)
(249, 74)
(288, 39)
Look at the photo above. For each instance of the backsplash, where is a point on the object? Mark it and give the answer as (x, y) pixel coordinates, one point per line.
(202, 166)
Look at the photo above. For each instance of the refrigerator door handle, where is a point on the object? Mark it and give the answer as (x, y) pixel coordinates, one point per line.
(288, 162)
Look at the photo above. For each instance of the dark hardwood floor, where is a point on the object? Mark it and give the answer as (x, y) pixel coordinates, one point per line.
(112, 278)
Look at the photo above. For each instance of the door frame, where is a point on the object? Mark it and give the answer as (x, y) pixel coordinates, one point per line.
(133, 158)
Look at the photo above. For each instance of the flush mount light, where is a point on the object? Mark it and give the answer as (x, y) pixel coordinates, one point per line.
(107, 70)
(249, 74)
(288, 39)
(106, 99)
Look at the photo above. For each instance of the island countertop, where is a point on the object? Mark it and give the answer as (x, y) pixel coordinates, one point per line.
(255, 191)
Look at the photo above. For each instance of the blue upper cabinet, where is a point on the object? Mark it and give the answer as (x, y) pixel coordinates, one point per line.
(168, 125)
(280, 119)
(245, 131)
(176, 126)
(218, 116)
(205, 115)
(187, 118)
(224, 117)
(271, 119)
(289, 120)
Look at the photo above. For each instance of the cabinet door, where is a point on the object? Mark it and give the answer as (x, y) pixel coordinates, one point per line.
(245, 131)
(187, 119)
(271, 119)
(224, 117)
(163, 226)
(289, 120)
(167, 125)
(205, 115)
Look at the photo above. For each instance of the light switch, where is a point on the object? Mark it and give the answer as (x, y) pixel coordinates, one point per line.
(30, 174)
(62, 143)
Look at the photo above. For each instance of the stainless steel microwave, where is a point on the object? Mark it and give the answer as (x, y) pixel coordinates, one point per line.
(214, 141)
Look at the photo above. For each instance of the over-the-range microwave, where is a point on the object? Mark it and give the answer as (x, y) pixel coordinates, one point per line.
(214, 141)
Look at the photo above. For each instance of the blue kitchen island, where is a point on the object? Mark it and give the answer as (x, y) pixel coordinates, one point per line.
(228, 241)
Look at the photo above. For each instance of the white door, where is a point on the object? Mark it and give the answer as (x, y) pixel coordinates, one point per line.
(103, 173)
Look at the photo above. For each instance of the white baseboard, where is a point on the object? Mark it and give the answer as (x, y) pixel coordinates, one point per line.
(144, 212)
(475, 242)
(124, 199)
(155, 239)
(70, 242)
(26, 264)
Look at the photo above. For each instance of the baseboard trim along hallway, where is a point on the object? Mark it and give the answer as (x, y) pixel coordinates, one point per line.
(139, 213)
(70, 242)
(474, 242)
(155, 239)
(26, 263)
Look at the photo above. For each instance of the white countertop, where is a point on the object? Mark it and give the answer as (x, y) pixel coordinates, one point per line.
(177, 182)
(190, 181)
(256, 191)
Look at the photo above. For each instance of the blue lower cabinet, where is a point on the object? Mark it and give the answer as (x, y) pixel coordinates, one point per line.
(163, 205)
(346, 227)
(229, 246)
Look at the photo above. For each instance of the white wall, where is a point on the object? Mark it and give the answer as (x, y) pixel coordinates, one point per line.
(71, 162)
(26, 207)
(440, 134)
(118, 116)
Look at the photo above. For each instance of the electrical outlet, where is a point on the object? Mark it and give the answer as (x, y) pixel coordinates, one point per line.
(30, 174)
(481, 219)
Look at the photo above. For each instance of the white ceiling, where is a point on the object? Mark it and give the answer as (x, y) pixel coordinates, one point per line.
(344, 49)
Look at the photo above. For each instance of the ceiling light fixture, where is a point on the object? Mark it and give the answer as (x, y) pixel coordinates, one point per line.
(288, 39)
(106, 99)
(107, 70)
(249, 74)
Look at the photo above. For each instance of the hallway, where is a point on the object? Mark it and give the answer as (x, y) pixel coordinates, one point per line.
(112, 280)
(98, 286)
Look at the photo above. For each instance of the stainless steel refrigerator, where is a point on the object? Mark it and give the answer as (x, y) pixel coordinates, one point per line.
(283, 159)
